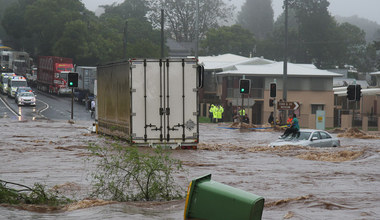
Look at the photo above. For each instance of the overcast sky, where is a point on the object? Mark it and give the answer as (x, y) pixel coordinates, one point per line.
(363, 8)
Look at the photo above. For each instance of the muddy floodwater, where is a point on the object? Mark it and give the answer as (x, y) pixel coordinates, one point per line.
(296, 182)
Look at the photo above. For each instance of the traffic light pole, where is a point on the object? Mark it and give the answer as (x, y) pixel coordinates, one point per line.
(274, 111)
(241, 109)
(72, 103)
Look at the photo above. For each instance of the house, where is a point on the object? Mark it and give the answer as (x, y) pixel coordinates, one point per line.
(310, 87)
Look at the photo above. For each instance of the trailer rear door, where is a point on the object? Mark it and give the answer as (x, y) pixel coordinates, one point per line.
(164, 101)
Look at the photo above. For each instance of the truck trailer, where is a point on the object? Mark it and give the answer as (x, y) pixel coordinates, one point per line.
(86, 83)
(150, 102)
(52, 74)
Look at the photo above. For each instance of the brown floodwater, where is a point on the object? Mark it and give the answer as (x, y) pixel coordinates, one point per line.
(296, 182)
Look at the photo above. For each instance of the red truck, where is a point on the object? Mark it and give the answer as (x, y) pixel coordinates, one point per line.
(52, 74)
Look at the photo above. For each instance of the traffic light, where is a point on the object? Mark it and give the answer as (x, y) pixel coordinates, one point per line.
(245, 85)
(273, 90)
(351, 92)
(72, 81)
(358, 92)
(271, 102)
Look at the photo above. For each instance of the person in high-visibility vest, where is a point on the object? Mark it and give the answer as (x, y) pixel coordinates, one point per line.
(214, 110)
(211, 113)
(220, 113)
(242, 112)
(289, 121)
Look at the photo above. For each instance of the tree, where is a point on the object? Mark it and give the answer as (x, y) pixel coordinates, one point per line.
(316, 30)
(14, 23)
(128, 9)
(47, 19)
(4, 7)
(180, 16)
(257, 16)
(74, 42)
(126, 173)
(354, 44)
(234, 39)
(66, 28)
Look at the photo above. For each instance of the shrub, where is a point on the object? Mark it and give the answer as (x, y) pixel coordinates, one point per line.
(128, 174)
(37, 195)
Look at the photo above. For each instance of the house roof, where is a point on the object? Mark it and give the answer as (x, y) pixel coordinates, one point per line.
(375, 73)
(273, 68)
(220, 61)
(341, 82)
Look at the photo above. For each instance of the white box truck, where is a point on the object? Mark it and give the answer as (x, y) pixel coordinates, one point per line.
(150, 101)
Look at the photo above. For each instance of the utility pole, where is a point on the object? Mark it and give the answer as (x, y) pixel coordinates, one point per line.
(125, 40)
(285, 75)
(197, 32)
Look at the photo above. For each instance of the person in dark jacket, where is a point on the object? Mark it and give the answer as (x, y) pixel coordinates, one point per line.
(271, 118)
(294, 128)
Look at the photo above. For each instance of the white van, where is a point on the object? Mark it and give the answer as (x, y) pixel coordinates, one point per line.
(4, 81)
(13, 83)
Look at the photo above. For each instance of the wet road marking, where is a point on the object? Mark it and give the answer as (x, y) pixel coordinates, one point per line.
(8, 107)
(42, 110)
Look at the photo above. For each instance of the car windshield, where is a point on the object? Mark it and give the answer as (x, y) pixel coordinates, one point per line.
(23, 89)
(18, 83)
(27, 94)
(299, 136)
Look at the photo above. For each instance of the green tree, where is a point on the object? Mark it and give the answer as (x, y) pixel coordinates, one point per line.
(15, 25)
(66, 28)
(353, 44)
(234, 39)
(128, 9)
(257, 16)
(316, 30)
(180, 17)
(4, 7)
(47, 18)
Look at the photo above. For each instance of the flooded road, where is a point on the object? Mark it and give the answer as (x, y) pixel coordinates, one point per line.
(296, 182)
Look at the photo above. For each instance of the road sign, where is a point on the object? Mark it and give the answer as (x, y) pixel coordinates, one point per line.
(281, 105)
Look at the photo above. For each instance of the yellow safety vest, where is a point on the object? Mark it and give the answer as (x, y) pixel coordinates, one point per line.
(242, 112)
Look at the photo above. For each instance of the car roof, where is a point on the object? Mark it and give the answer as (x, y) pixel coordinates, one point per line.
(310, 130)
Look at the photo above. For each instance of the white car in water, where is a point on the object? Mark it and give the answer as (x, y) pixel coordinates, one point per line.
(26, 98)
(308, 137)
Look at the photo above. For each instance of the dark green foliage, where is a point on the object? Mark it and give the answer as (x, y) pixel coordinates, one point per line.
(37, 195)
(234, 39)
(68, 29)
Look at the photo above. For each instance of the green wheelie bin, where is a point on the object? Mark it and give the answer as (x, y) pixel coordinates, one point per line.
(207, 199)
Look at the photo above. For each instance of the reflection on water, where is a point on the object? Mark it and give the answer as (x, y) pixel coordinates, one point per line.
(20, 113)
(23, 115)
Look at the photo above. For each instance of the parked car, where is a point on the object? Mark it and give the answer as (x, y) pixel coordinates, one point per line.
(26, 98)
(308, 137)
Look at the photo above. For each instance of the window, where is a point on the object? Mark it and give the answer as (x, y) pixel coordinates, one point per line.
(324, 135)
(316, 134)
(314, 108)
